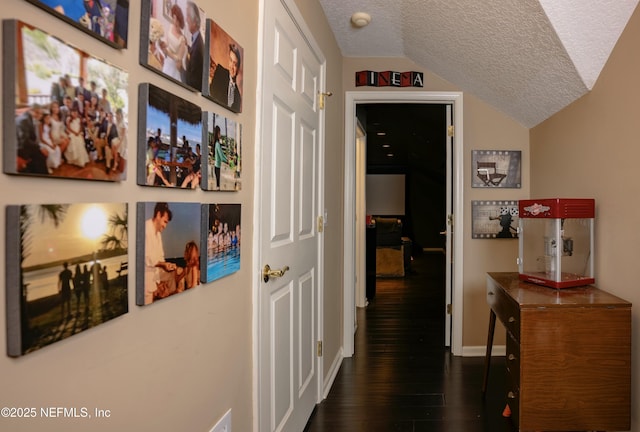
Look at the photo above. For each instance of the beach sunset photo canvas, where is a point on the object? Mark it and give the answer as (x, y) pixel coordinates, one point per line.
(66, 270)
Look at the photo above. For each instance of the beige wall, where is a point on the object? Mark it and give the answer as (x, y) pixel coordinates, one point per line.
(590, 149)
(484, 128)
(179, 364)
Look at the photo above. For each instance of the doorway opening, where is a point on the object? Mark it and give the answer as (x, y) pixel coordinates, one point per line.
(405, 187)
(354, 216)
(406, 163)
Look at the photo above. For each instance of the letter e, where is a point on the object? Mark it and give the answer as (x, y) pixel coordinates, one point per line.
(395, 79)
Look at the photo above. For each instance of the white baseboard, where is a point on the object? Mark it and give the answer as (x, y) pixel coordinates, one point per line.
(481, 351)
(333, 372)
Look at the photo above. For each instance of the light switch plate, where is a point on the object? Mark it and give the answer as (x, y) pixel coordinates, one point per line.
(224, 424)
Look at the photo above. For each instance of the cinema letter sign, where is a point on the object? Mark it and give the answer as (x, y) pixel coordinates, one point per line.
(389, 79)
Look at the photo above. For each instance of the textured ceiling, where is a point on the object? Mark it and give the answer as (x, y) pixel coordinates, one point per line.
(527, 58)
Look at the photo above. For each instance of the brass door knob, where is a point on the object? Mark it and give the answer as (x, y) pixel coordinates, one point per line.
(268, 273)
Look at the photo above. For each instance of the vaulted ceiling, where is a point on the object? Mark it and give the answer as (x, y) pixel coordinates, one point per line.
(527, 58)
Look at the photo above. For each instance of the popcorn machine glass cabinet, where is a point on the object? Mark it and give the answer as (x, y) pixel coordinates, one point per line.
(556, 242)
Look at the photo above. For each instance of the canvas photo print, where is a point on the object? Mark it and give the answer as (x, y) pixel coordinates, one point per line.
(224, 63)
(65, 111)
(106, 20)
(222, 153)
(172, 40)
(494, 219)
(496, 168)
(221, 240)
(67, 271)
(168, 252)
(169, 140)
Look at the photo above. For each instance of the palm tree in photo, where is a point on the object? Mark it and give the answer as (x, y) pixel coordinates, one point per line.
(53, 212)
(117, 238)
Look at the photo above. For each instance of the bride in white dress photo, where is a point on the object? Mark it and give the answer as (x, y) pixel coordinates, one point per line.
(175, 46)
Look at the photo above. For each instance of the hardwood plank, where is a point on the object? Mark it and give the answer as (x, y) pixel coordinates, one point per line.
(401, 377)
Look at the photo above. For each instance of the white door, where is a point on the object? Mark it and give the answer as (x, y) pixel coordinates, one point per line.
(289, 200)
(361, 214)
(449, 228)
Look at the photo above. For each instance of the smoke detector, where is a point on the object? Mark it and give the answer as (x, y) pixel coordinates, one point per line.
(360, 19)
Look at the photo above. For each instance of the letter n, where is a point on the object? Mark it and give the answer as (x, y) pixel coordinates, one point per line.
(384, 78)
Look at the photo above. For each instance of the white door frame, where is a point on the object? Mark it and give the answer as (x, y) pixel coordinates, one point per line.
(352, 98)
(361, 212)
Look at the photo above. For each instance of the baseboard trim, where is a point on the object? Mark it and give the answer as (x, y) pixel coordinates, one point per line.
(481, 351)
(333, 372)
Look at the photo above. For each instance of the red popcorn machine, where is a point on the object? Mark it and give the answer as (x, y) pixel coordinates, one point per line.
(556, 241)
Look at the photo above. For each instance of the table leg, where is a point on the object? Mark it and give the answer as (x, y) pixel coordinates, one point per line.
(487, 360)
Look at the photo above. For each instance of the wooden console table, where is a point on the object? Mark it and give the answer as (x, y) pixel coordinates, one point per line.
(568, 355)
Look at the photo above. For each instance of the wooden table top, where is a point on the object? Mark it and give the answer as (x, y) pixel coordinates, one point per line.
(530, 295)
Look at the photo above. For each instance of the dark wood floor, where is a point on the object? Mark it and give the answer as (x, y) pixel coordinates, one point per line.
(401, 377)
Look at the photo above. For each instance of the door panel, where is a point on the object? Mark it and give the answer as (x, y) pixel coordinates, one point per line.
(282, 370)
(306, 353)
(307, 165)
(309, 88)
(282, 173)
(284, 56)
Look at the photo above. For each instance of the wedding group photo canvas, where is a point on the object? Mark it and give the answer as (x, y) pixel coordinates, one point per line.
(65, 111)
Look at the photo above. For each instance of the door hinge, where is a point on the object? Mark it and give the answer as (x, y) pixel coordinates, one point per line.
(449, 309)
(320, 224)
(321, 98)
(319, 348)
(450, 131)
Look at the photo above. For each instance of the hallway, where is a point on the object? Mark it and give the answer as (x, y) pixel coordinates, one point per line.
(401, 377)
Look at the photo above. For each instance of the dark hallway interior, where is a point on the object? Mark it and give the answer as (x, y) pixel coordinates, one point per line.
(401, 377)
(409, 139)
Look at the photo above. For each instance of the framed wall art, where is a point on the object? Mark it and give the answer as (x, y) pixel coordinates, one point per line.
(222, 153)
(224, 65)
(494, 219)
(106, 20)
(67, 271)
(169, 139)
(68, 111)
(172, 40)
(168, 252)
(496, 168)
(221, 240)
